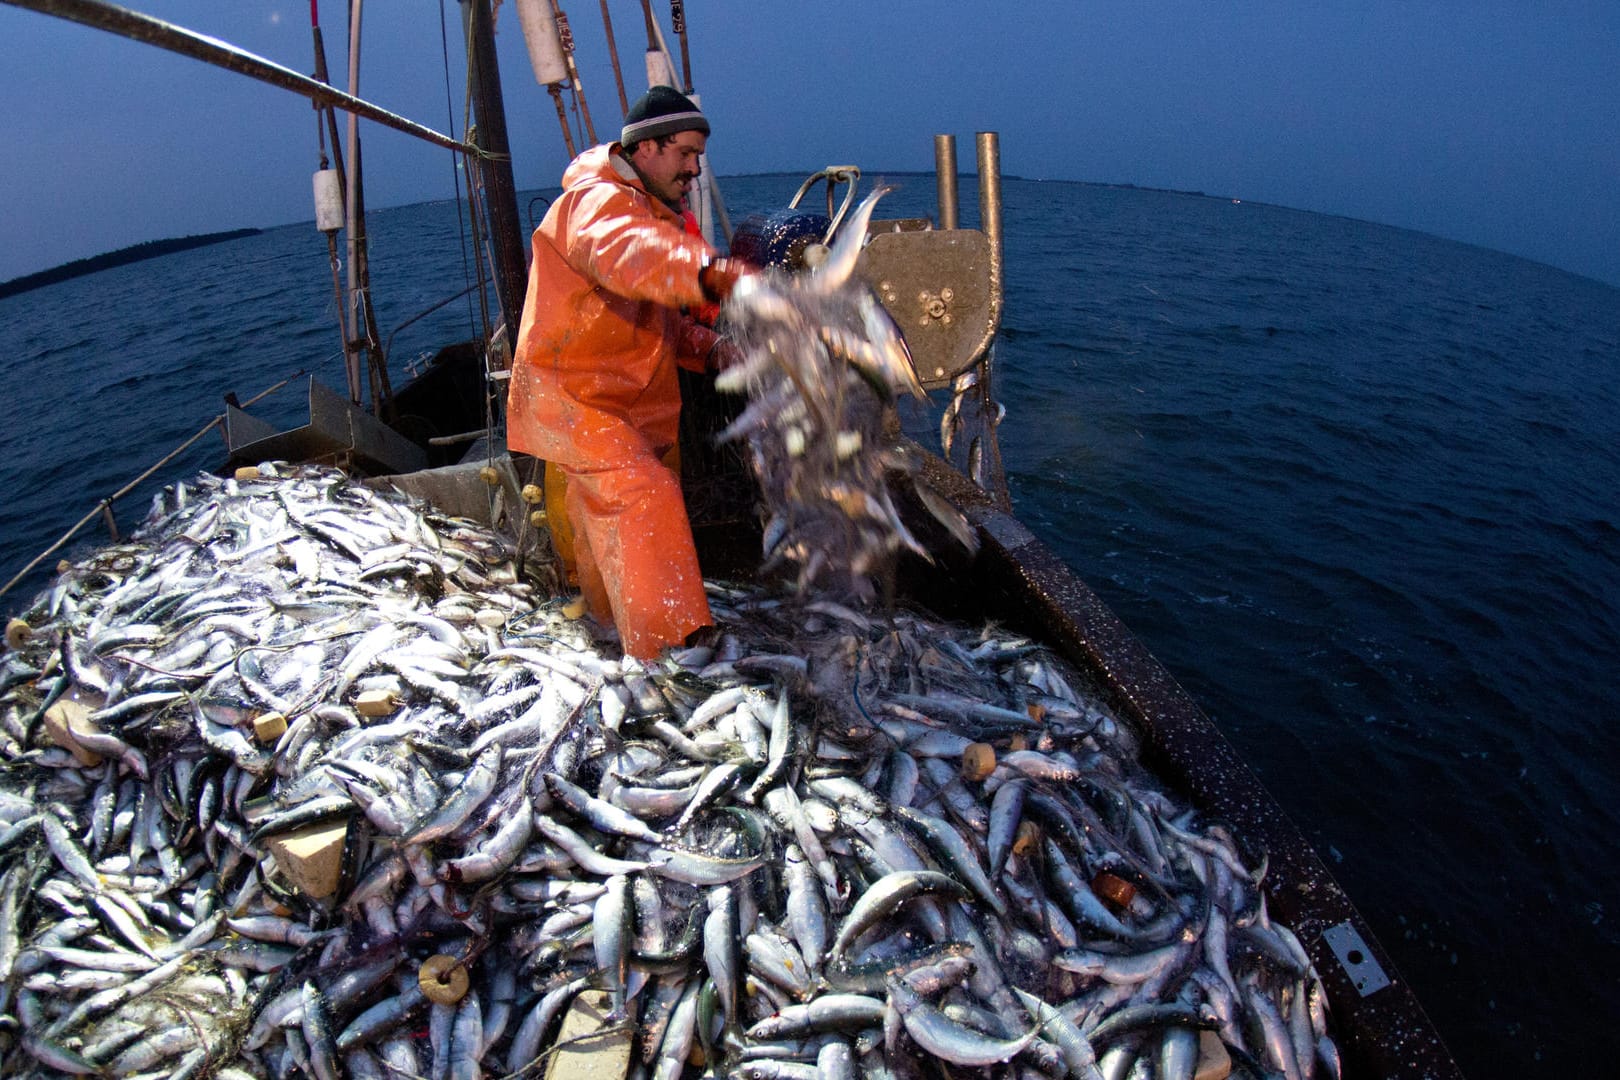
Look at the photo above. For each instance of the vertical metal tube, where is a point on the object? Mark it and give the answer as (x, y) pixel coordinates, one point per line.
(990, 204)
(989, 148)
(328, 117)
(945, 179)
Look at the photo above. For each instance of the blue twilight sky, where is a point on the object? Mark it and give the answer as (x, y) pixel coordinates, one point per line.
(1496, 124)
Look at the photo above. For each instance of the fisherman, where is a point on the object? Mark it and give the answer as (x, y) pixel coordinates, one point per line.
(594, 390)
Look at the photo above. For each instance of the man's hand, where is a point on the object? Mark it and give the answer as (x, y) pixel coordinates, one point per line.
(720, 277)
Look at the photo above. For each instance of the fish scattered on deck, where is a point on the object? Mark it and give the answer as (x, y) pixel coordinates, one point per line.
(766, 850)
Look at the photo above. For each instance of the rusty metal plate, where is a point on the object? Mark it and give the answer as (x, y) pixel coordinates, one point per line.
(335, 428)
(936, 284)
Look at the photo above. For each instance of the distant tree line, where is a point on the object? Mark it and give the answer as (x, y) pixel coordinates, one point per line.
(150, 249)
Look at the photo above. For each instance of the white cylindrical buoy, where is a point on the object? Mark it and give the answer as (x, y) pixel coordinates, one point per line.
(545, 45)
(659, 72)
(328, 201)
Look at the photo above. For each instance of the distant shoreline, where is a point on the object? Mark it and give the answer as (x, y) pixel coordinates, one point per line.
(149, 249)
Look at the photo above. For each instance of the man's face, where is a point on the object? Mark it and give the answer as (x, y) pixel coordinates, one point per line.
(668, 170)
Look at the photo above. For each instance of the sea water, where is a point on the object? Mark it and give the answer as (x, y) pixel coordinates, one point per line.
(1357, 487)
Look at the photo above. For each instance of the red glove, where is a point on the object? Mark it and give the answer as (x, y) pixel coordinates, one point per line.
(719, 276)
(723, 355)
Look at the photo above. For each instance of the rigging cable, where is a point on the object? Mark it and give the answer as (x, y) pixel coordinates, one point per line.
(456, 166)
(104, 507)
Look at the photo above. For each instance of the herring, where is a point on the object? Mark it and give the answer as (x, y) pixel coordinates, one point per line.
(788, 801)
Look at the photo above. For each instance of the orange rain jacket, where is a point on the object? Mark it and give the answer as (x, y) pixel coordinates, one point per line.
(594, 392)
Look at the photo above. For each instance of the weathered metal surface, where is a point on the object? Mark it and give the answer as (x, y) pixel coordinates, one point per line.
(462, 491)
(336, 430)
(936, 285)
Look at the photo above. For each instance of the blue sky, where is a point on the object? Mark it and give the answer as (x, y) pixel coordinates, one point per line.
(1491, 123)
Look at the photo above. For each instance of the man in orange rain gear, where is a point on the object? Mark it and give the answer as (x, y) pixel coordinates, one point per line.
(594, 390)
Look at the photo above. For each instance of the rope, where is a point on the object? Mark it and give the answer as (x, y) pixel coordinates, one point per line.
(455, 173)
(105, 505)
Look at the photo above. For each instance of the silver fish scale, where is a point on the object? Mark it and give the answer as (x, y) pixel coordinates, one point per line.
(482, 824)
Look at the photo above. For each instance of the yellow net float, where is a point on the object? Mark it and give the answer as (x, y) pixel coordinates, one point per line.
(443, 979)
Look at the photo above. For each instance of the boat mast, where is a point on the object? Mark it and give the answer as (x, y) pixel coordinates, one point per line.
(495, 164)
(326, 128)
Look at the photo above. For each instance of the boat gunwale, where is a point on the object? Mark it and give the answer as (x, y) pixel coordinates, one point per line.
(1386, 1033)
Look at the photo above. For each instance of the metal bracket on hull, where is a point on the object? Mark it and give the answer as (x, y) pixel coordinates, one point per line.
(335, 429)
(1363, 970)
(937, 286)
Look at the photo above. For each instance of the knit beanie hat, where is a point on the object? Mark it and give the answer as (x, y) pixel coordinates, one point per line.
(663, 110)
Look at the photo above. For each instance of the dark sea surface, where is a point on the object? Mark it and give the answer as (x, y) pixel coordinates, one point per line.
(1358, 488)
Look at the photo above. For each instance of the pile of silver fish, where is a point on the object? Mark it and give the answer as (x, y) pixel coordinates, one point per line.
(822, 361)
(764, 859)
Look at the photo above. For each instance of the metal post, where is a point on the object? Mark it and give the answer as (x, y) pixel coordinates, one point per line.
(328, 118)
(989, 147)
(562, 118)
(990, 210)
(945, 179)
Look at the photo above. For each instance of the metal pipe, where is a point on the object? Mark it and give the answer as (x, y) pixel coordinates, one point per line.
(177, 39)
(647, 17)
(945, 179)
(328, 116)
(425, 312)
(328, 122)
(989, 154)
(989, 146)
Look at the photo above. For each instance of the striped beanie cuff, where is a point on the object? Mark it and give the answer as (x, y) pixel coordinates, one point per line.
(663, 110)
